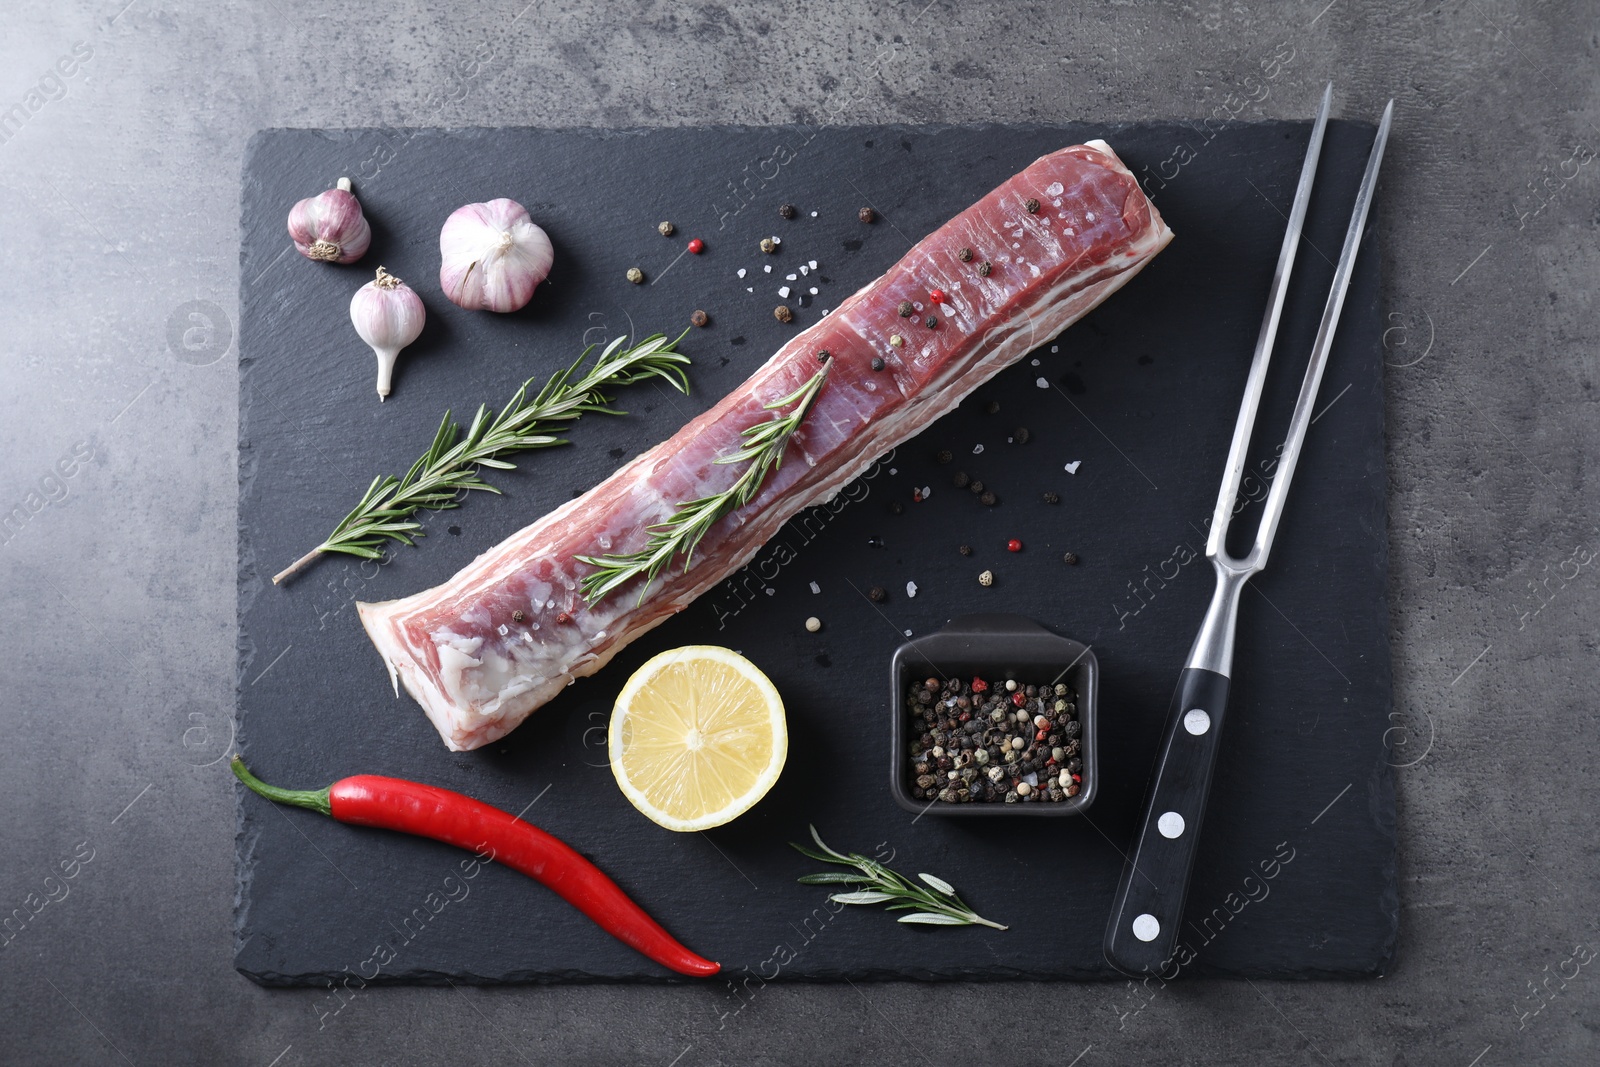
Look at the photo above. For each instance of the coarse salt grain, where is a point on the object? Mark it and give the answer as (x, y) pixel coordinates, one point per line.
(813, 263)
(749, 289)
(777, 240)
(768, 268)
(741, 272)
(813, 214)
(1072, 468)
(804, 269)
(815, 588)
(1042, 383)
(1055, 348)
(911, 589)
(813, 290)
(926, 492)
(784, 292)
(977, 450)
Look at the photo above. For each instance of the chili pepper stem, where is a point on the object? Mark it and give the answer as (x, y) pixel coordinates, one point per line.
(315, 799)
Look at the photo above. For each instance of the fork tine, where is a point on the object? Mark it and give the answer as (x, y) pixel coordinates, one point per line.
(1301, 419)
(1217, 540)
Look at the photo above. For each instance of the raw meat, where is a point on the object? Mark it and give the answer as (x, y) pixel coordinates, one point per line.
(478, 672)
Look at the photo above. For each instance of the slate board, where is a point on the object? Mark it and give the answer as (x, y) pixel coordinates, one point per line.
(1142, 393)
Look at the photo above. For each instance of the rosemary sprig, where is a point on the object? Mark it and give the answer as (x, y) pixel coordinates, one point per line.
(453, 464)
(937, 905)
(762, 449)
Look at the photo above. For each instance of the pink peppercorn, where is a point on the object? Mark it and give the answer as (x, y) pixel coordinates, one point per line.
(697, 246)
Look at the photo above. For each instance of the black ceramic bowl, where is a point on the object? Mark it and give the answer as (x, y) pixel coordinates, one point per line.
(995, 647)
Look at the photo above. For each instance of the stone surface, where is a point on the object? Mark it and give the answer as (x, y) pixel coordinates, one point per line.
(120, 210)
(1141, 394)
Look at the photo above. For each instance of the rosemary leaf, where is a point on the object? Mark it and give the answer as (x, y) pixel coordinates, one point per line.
(761, 450)
(935, 906)
(453, 463)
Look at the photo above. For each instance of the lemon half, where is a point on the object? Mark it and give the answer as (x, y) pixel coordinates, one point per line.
(697, 737)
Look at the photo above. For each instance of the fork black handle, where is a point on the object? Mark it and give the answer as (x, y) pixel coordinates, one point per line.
(1142, 934)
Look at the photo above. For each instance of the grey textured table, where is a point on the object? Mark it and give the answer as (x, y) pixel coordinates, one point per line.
(119, 167)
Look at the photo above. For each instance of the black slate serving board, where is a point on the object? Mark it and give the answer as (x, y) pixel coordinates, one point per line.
(1296, 874)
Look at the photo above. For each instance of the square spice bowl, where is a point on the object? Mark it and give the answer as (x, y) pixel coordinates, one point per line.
(996, 647)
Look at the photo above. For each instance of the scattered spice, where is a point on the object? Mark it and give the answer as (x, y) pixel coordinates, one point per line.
(988, 499)
(984, 268)
(937, 296)
(965, 255)
(1052, 498)
(960, 480)
(1070, 559)
(782, 313)
(697, 246)
(943, 455)
(564, 618)
(986, 579)
(518, 615)
(896, 340)
(1021, 435)
(1032, 205)
(768, 245)
(877, 594)
(867, 215)
(992, 408)
(666, 229)
(966, 550)
(976, 487)
(1013, 545)
(787, 211)
(906, 309)
(897, 508)
(700, 318)
(813, 624)
(930, 322)
(635, 275)
(823, 355)
(877, 362)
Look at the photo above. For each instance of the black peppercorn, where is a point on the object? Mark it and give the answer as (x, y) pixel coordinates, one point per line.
(518, 616)
(976, 487)
(966, 550)
(1052, 498)
(906, 309)
(931, 323)
(1074, 765)
(897, 508)
(823, 355)
(877, 363)
(943, 455)
(877, 594)
(699, 318)
(1071, 729)
(960, 479)
(1070, 558)
(984, 268)
(866, 214)
(992, 408)
(1020, 435)
(965, 255)
(787, 211)
(1032, 205)
(988, 499)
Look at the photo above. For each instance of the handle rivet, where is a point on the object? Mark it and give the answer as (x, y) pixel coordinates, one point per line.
(1170, 824)
(1146, 927)
(1196, 721)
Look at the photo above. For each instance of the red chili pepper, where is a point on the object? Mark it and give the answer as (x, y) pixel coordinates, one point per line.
(423, 810)
(697, 246)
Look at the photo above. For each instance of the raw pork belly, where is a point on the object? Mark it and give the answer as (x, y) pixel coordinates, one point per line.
(478, 673)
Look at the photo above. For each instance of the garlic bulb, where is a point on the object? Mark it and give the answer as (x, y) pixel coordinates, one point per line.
(330, 226)
(492, 256)
(388, 315)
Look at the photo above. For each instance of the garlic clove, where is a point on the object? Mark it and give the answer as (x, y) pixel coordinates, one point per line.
(330, 226)
(388, 314)
(492, 256)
